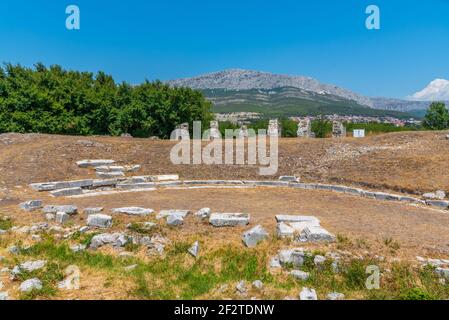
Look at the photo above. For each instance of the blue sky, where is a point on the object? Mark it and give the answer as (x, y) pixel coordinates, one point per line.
(327, 40)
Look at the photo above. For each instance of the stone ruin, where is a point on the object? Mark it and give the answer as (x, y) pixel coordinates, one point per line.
(182, 131)
(338, 129)
(243, 132)
(274, 129)
(214, 130)
(304, 128)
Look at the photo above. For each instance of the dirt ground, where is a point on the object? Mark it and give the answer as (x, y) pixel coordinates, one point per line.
(419, 230)
(414, 162)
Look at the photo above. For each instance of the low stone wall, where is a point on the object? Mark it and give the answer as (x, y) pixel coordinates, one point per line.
(99, 187)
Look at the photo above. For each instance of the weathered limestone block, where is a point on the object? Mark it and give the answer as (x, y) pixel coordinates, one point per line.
(31, 205)
(110, 175)
(203, 213)
(271, 183)
(440, 204)
(89, 211)
(229, 219)
(300, 275)
(386, 196)
(114, 239)
(30, 285)
(66, 192)
(213, 182)
(194, 249)
(289, 178)
(61, 217)
(294, 257)
(283, 230)
(134, 211)
(175, 220)
(134, 186)
(304, 128)
(294, 218)
(99, 221)
(273, 128)
(94, 163)
(252, 237)
(167, 177)
(55, 185)
(335, 296)
(308, 294)
(215, 130)
(315, 234)
(104, 183)
(166, 213)
(69, 209)
(338, 129)
(28, 266)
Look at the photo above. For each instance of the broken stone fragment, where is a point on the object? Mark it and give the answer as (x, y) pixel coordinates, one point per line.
(300, 275)
(229, 219)
(289, 178)
(94, 163)
(110, 175)
(258, 285)
(294, 257)
(114, 239)
(62, 217)
(166, 213)
(308, 294)
(99, 221)
(203, 213)
(283, 230)
(315, 234)
(194, 249)
(251, 238)
(30, 285)
(89, 211)
(439, 204)
(175, 220)
(134, 211)
(335, 296)
(31, 205)
(69, 209)
(67, 192)
(295, 218)
(28, 266)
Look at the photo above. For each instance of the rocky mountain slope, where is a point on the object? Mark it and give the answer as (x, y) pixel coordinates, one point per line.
(238, 80)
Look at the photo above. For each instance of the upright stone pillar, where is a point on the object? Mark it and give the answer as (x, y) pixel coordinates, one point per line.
(304, 128)
(338, 129)
(214, 130)
(273, 128)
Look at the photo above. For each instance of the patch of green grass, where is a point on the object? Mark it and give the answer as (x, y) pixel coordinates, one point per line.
(5, 223)
(50, 275)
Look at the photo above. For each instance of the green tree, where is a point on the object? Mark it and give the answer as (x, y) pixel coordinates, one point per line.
(53, 100)
(321, 127)
(437, 117)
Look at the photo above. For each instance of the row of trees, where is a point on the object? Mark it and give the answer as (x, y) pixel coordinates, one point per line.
(54, 100)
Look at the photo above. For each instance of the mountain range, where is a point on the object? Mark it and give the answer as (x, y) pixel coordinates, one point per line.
(237, 90)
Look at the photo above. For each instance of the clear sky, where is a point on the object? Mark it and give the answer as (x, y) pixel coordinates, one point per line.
(137, 40)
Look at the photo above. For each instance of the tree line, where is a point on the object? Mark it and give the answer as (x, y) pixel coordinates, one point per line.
(57, 101)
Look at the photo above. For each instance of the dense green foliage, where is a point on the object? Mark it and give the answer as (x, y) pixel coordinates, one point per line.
(437, 117)
(54, 100)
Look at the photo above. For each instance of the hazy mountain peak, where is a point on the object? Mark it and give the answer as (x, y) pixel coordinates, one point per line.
(240, 79)
(438, 89)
